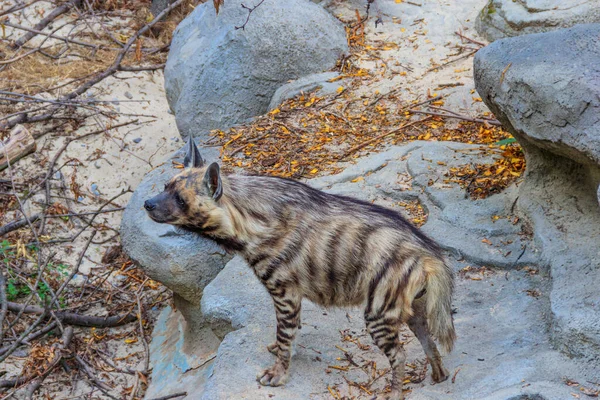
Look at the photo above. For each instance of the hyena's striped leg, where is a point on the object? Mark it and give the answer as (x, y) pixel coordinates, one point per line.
(383, 328)
(274, 347)
(287, 311)
(418, 324)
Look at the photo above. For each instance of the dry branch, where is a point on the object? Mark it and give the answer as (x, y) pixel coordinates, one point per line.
(458, 116)
(18, 144)
(171, 396)
(57, 12)
(13, 226)
(3, 305)
(376, 138)
(75, 319)
(34, 32)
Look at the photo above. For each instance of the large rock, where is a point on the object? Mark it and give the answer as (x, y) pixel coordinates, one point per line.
(545, 89)
(505, 18)
(185, 263)
(322, 82)
(218, 76)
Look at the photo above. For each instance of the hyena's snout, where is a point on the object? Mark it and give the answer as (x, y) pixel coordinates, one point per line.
(159, 208)
(150, 205)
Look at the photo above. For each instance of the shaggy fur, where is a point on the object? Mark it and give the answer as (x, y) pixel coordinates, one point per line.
(334, 250)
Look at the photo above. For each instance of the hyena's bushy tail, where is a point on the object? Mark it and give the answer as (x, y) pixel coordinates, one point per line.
(440, 284)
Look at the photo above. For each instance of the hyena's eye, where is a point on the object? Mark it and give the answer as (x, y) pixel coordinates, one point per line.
(179, 200)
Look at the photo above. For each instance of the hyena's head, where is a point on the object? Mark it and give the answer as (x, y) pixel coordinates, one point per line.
(190, 199)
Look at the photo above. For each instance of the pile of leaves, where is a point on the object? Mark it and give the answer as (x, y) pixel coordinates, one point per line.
(308, 135)
(483, 180)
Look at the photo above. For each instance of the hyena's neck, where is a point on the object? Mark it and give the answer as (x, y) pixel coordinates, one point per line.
(247, 217)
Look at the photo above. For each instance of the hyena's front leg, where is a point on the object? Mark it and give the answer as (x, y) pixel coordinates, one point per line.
(287, 311)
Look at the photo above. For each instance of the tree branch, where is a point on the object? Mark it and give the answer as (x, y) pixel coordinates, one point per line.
(75, 319)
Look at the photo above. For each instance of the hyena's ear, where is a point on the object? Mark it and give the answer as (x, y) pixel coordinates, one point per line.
(212, 180)
(192, 158)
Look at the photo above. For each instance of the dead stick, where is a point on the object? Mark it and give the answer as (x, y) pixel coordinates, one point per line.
(450, 62)
(18, 7)
(142, 68)
(19, 144)
(57, 12)
(32, 32)
(470, 40)
(3, 305)
(171, 396)
(12, 226)
(141, 326)
(461, 117)
(368, 142)
(32, 336)
(421, 103)
(104, 388)
(75, 319)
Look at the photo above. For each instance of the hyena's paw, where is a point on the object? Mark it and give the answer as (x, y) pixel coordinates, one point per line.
(274, 376)
(438, 373)
(273, 348)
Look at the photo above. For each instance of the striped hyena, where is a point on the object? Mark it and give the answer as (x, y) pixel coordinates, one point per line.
(334, 250)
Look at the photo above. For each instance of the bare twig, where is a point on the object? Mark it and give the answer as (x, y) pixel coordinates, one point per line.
(3, 304)
(250, 11)
(57, 12)
(457, 116)
(450, 62)
(376, 138)
(31, 32)
(18, 7)
(104, 388)
(141, 326)
(141, 68)
(468, 39)
(32, 336)
(171, 396)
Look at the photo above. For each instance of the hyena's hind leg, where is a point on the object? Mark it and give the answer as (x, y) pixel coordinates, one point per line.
(287, 310)
(418, 325)
(383, 326)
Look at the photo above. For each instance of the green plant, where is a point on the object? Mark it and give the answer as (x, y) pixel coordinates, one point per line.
(15, 289)
(504, 142)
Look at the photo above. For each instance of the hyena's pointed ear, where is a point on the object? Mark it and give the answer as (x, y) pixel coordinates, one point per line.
(212, 180)
(192, 158)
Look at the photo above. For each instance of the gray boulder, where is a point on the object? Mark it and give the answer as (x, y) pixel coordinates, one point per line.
(545, 89)
(185, 263)
(306, 84)
(506, 18)
(218, 76)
